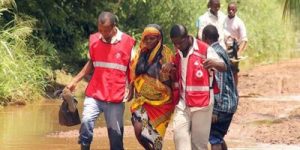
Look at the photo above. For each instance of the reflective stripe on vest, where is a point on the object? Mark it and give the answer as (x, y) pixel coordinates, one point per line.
(110, 65)
(197, 88)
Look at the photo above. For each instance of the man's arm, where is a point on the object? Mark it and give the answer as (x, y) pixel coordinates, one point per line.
(244, 38)
(213, 64)
(84, 71)
(200, 30)
(201, 23)
(214, 61)
(242, 47)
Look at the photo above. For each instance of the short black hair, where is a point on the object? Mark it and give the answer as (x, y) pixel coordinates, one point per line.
(178, 30)
(210, 32)
(211, 1)
(107, 16)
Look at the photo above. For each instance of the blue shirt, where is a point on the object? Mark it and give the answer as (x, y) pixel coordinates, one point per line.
(227, 99)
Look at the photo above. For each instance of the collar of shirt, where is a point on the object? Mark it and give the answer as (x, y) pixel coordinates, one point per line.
(231, 19)
(215, 43)
(115, 39)
(213, 16)
(191, 49)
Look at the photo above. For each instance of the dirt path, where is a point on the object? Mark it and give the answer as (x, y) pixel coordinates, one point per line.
(268, 112)
(271, 80)
(269, 108)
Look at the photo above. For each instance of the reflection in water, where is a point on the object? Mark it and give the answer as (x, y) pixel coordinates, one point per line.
(28, 128)
(24, 127)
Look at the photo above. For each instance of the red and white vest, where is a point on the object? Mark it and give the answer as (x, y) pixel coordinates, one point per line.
(110, 63)
(197, 88)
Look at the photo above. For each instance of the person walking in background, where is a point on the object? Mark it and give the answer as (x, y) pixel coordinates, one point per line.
(194, 62)
(154, 90)
(235, 32)
(110, 52)
(214, 17)
(226, 101)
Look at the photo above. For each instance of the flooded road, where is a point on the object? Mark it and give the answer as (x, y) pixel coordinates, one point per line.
(35, 127)
(267, 119)
(26, 127)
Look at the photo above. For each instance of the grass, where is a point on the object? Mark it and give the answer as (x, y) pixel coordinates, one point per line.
(22, 72)
(270, 38)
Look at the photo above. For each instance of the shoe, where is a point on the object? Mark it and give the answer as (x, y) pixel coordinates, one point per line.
(68, 96)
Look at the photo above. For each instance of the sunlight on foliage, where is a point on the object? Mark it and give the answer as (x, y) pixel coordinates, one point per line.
(22, 72)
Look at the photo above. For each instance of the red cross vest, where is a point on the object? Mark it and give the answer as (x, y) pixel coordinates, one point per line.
(197, 88)
(110, 62)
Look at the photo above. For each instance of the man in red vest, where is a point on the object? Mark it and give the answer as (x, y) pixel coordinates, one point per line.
(110, 53)
(194, 62)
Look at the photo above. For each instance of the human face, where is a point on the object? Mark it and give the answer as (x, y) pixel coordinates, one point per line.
(181, 43)
(151, 41)
(107, 30)
(231, 10)
(214, 7)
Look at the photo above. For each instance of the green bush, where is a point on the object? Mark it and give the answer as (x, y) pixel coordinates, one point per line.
(270, 38)
(22, 71)
(38, 34)
(67, 24)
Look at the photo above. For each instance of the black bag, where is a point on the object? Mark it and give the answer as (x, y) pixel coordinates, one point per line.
(66, 117)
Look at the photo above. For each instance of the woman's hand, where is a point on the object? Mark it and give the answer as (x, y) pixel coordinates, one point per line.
(214, 118)
(167, 67)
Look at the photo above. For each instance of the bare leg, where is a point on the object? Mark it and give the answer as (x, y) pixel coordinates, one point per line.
(224, 146)
(138, 130)
(235, 75)
(85, 147)
(216, 147)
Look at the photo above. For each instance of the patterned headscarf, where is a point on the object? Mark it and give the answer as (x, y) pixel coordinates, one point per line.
(151, 29)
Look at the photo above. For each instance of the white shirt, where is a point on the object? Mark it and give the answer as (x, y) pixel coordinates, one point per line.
(115, 39)
(235, 28)
(209, 19)
(211, 54)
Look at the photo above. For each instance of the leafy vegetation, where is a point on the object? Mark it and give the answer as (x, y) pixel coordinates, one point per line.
(40, 36)
(270, 38)
(22, 71)
(68, 23)
(291, 10)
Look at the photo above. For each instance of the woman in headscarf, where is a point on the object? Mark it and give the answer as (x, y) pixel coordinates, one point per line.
(153, 90)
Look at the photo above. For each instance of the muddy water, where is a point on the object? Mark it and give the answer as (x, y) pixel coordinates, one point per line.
(35, 127)
(26, 127)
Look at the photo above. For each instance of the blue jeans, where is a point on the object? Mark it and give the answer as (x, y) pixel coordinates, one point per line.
(113, 113)
(219, 129)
